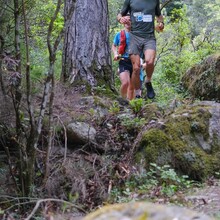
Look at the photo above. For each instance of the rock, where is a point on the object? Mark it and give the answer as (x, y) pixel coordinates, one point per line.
(203, 80)
(188, 141)
(98, 106)
(80, 133)
(144, 211)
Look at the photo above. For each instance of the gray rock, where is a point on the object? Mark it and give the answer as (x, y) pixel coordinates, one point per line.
(80, 133)
(145, 211)
(203, 79)
(189, 141)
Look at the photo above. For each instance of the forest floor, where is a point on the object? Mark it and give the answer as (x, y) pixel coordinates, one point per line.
(204, 199)
(68, 105)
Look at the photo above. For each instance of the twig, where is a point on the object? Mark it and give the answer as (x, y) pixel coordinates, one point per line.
(164, 4)
(65, 138)
(54, 200)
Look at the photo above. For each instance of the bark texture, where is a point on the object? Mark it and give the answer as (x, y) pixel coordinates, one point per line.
(86, 55)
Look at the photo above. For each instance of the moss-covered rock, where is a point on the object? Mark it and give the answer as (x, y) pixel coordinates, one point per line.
(150, 111)
(144, 211)
(189, 141)
(203, 80)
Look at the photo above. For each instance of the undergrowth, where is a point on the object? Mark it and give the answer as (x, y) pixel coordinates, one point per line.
(159, 182)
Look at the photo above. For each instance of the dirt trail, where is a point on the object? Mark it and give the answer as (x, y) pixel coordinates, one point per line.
(207, 199)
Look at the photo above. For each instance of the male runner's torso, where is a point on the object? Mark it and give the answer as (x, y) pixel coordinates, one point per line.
(142, 14)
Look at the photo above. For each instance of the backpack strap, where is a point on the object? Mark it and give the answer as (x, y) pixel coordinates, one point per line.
(122, 45)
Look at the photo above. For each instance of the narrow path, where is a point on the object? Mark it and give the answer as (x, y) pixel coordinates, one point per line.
(207, 199)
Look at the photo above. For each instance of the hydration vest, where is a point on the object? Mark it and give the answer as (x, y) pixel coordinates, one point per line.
(122, 45)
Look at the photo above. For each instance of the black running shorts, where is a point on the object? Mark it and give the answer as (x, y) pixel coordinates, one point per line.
(125, 65)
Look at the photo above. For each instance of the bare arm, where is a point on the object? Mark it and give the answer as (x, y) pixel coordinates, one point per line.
(125, 9)
(160, 26)
(115, 52)
(123, 19)
(160, 19)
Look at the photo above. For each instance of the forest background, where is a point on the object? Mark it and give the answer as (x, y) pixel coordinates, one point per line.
(33, 53)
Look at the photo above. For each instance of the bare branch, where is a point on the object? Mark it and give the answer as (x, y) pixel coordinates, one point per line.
(51, 27)
(28, 81)
(53, 200)
(165, 4)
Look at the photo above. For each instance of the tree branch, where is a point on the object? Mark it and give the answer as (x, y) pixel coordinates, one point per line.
(165, 4)
(53, 200)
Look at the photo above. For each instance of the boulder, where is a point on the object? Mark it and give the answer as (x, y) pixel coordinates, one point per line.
(80, 133)
(144, 211)
(188, 141)
(203, 80)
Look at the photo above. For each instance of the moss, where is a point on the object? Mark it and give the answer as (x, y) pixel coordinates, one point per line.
(142, 211)
(178, 144)
(155, 138)
(202, 80)
(202, 165)
(177, 128)
(188, 121)
(202, 121)
(155, 146)
(215, 147)
(193, 162)
(99, 102)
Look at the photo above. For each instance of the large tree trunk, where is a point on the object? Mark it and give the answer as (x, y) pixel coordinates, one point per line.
(86, 55)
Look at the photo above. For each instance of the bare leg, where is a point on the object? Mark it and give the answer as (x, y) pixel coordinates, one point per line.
(125, 81)
(135, 77)
(149, 59)
(130, 93)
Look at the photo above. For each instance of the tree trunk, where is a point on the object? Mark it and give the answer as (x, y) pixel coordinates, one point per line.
(86, 53)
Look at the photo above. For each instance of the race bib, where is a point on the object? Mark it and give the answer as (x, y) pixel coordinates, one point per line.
(147, 18)
(138, 16)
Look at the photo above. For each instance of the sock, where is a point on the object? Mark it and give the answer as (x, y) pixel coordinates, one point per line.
(137, 92)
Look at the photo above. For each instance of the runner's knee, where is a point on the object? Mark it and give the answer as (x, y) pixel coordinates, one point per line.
(125, 84)
(149, 62)
(136, 70)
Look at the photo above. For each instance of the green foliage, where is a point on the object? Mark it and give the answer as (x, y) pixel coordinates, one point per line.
(184, 43)
(115, 108)
(100, 89)
(136, 105)
(114, 8)
(205, 18)
(177, 4)
(191, 34)
(118, 196)
(38, 71)
(169, 92)
(170, 181)
(1, 211)
(40, 14)
(41, 19)
(173, 63)
(161, 180)
(133, 123)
